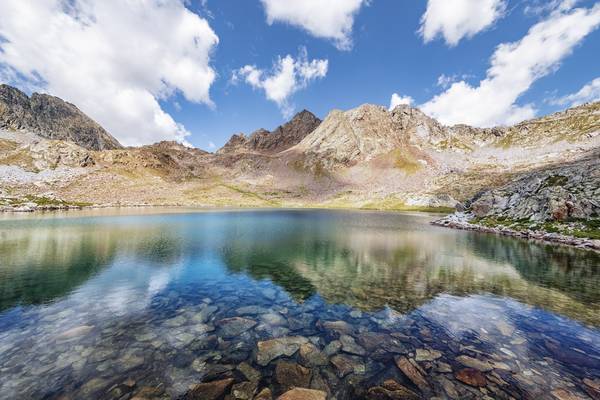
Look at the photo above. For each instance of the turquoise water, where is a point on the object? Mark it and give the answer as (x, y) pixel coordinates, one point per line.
(113, 306)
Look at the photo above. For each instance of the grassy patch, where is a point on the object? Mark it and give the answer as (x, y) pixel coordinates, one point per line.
(580, 228)
(405, 162)
(43, 201)
(7, 145)
(555, 180)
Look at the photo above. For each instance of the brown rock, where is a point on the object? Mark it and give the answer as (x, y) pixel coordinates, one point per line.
(209, 390)
(381, 393)
(243, 390)
(268, 350)
(250, 373)
(264, 394)
(592, 387)
(412, 373)
(303, 394)
(475, 363)
(563, 394)
(289, 375)
(311, 356)
(345, 364)
(471, 376)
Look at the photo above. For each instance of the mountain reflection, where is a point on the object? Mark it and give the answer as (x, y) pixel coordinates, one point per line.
(370, 268)
(46, 263)
(364, 260)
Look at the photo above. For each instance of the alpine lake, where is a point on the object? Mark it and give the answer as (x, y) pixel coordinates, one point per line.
(166, 303)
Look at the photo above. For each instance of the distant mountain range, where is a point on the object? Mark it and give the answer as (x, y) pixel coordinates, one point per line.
(367, 157)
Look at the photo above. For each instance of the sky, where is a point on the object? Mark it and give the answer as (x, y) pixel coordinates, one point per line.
(198, 71)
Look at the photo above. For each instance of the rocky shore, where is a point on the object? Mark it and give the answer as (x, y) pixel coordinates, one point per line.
(461, 220)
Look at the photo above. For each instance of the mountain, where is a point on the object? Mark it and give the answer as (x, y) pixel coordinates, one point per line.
(542, 169)
(282, 138)
(51, 118)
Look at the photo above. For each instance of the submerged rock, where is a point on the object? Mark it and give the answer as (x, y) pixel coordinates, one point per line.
(311, 356)
(264, 394)
(471, 376)
(303, 394)
(345, 364)
(269, 350)
(209, 390)
(427, 355)
(475, 363)
(232, 327)
(243, 390)
(412, 373)
(350, 346)
(290, 375)
(391, 390)
(75, 332)
(249, 372)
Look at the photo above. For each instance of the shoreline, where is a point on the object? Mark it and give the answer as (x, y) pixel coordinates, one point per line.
(452, 220)
(460, 221)
(32, 209)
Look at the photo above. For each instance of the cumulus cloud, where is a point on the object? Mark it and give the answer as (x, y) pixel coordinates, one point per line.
(514, 68)
(397, 100)
(331, 19)
(114, 59)
(588, 93)
(287, 76)
(456, 19)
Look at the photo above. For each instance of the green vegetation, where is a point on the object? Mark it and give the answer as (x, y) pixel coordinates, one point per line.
(555, 180)
(41, 201)
(454, 144)
(580, 228)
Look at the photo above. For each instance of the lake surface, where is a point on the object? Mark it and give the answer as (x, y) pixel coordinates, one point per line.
(357, 304)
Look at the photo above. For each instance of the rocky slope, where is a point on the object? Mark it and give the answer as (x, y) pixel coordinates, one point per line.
(558, 193)
(51, 118)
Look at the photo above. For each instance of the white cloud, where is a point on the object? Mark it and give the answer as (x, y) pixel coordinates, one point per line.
(331, 19)
(397, 100)
(588, 93)
(114, 59)
(514, 68)
(541, 7)
(287, 77)
(455, 19)
(212, 145)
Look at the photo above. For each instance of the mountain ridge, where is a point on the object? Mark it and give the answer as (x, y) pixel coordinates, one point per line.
(52, 118)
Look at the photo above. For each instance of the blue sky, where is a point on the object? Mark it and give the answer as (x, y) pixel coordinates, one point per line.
(192, 88)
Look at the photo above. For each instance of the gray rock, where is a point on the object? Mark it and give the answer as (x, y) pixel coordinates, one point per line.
(52, 118)
(268, 350)
(232, 327)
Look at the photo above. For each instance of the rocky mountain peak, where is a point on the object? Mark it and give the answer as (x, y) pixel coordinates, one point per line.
(282, 138)
(235, 144)
(52, 118)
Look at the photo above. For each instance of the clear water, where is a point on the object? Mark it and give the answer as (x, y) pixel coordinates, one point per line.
(110, 307)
